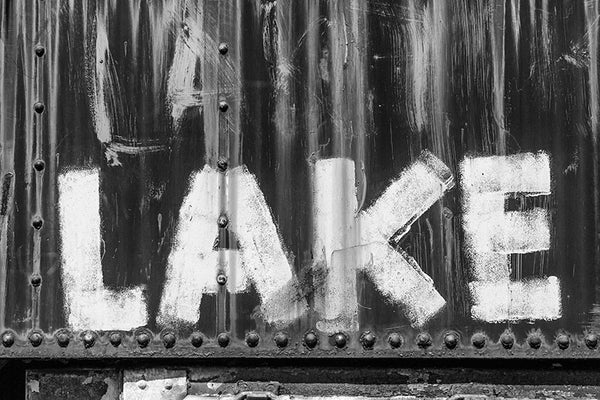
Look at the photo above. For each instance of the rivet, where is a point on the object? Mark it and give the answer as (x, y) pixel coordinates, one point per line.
(36, 280)
(591, 340)
(39, 165)
(223, 339)
(89, 339)
(223, 48)
(63, 339)
(340, 340)
(186, 29)
(281, 339)
(451, 340)
(222, 221)
(478, 340)
(115, 339)
(169, 385)
(223, 106)
(395, 340)
(142, 384)
(535, 341)
(423, 340)
(8, 339)
(196, 339)
(507, 340)
(221, 279)
(39, 50)
(311, 340)
(36, 339)
(222, 164)
(563, 341)
(37, 222)
(252, 339)
(143, 339)
(367, 339)
(39, 107)
(169, 340)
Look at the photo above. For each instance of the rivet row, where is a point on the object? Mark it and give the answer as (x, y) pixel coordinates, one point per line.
(423, 340)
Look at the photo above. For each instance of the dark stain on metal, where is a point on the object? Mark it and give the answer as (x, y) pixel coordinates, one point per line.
(6, 186)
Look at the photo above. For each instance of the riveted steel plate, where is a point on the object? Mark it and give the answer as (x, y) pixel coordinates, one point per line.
(315, 179)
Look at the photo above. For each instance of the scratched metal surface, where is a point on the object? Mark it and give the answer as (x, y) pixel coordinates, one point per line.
(375, 82)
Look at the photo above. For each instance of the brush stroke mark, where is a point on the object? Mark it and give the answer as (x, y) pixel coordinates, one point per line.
(183, 88)
(345, 244)
(88, 305)
(492, 234)
(193, 264)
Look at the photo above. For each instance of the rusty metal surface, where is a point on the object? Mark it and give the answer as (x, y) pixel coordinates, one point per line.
(92, 385)
(112, 111)
(309, 383)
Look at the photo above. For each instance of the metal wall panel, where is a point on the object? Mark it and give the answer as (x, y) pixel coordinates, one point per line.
(299, 178)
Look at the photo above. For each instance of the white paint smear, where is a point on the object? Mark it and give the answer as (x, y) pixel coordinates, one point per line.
(102, 79)
(492, 234)
(182, 90)
(334, 212)
(193, 264)
(520, 300)
(263, 258)
(88, 305)
(361, 243)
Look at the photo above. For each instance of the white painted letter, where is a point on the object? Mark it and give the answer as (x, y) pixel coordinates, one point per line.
(193, 264)
(491, 235)
(345, 243)
(89, 305)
